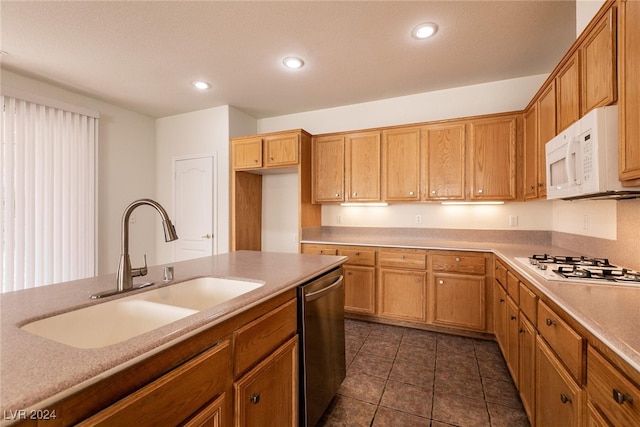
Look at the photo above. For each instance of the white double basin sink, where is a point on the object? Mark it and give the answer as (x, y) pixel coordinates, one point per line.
(115, 321)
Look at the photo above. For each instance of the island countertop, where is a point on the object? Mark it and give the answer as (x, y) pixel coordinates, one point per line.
(35, 371)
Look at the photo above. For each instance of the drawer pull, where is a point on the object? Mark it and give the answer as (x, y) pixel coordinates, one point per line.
(550, 322)
(457, 259)
(440, 282)
(564, 398)
(357, 253)
(621, 397)
(254, 398)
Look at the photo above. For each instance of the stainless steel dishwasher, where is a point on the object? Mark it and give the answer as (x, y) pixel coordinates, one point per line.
(322, 350)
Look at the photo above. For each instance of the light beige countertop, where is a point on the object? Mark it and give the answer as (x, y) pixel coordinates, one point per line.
(35, 371)
(610, 312)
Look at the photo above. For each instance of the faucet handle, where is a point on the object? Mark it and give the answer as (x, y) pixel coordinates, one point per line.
(140, 271)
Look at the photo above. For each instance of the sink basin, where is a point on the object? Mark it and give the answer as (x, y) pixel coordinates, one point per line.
(115, 321)
(200, 293)
(107, 323)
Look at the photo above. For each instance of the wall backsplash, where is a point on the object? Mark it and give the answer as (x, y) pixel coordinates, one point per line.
(625, 250)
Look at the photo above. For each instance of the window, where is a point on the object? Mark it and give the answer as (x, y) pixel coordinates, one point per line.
(48, 194)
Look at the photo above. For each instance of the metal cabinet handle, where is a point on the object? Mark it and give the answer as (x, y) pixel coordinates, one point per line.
(355, 194)
(479, 191)
(207, 236)
(564, 398)
(411, 193)
(550, 322)
(513, 317)
(501, 300)
(433, 192)
(621, 397)
(457, 259)
(254, 398)
(440, 282)
(337, 194)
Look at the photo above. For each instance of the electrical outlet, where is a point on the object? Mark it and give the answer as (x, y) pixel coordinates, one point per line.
(513, 220)
(339, 218)
(585, 222)
(418, 219)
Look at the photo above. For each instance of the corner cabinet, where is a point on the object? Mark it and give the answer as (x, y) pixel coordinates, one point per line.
(493, 148)
(629, 92)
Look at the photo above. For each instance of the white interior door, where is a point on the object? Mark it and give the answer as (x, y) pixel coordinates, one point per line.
(194, 207)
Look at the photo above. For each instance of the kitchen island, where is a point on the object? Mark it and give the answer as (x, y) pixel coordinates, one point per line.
(40, 376)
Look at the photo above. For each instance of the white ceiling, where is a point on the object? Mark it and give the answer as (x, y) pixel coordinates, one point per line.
(144, 55)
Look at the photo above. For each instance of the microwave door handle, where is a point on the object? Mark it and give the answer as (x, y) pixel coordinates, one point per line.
(570, 163)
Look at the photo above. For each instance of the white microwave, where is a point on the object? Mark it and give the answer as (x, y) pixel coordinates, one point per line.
(582, 160)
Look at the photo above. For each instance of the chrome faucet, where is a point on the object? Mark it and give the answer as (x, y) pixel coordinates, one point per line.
(126, 273)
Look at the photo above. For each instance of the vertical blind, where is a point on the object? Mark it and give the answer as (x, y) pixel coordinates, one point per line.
(48, 184)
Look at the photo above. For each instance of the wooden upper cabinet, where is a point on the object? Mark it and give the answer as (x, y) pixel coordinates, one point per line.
(531, 152)
(568, 93)
(281, 150)
(443, 152)
(629, 92)
(401, 164)
(546, 131)
(247, 153)
(598, 64)
(493, 155)
(328, 169)
(363, 167)
(265, 151)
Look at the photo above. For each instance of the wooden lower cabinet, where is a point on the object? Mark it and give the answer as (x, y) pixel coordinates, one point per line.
(527, 366)
(177, 396)
(559, 399)
(402, 294)
(459, 300)
(267, 395)
(513, 340)
(210, 416)
(359, 289)
(500, 315)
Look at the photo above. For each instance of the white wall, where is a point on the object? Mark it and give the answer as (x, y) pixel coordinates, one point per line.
(200, 132)
(585, 11)
(126, 170)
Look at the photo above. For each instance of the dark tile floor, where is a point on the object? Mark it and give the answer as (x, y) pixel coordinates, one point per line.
(406, 377)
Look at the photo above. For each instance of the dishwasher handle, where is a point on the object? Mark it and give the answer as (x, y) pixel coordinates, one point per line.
(322, 292)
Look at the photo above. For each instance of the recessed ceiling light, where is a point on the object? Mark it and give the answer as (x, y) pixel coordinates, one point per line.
(202, 85)
(293, 62)
(424, 31)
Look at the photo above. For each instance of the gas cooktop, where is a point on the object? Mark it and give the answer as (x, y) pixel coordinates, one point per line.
(581, 269)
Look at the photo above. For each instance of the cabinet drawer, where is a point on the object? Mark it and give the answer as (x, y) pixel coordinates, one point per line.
(513, 287)
(359, 256)
(175, 396)
(562, 338)
(615, 396)
(528, 302)
(501, 274)
(458, 263)
(319, 250)
(262, 336)
(403, 259)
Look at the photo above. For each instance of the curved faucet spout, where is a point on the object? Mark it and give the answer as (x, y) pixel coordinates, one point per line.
(125, 272)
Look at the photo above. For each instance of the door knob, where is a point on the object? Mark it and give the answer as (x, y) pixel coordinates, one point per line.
(207, 236)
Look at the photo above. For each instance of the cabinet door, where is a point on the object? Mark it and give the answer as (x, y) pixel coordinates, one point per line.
(531, 153)
(328, 169)
(210, 416)
(568, 93)
(359, 289)
(363, 167)
(513, 337)
(281, 150)
(493, 145)
(459, 300)
(559, 399)
(598, 56)
(268, 394)
(444, 162)
(527, 366)
(247, 153)
(401, 164)
(546, 131)
(500, 316)
(629, 92)
(402, 294)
